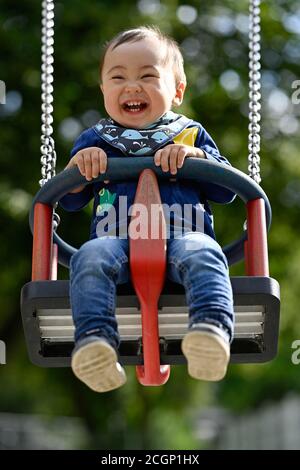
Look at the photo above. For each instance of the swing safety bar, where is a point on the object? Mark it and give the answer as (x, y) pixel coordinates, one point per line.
(215, 180)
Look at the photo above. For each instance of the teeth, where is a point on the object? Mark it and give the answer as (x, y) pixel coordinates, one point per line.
(134, 106)
(134, 103)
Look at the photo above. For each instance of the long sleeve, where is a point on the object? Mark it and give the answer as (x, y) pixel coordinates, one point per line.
(76, 201)
(206, 143)
(211, 191)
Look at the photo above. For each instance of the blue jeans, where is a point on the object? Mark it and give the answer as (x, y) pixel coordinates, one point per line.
(195, 260)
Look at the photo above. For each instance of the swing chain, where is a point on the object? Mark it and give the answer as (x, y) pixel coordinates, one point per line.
(254, 90)
(48, 154)
(56, 221)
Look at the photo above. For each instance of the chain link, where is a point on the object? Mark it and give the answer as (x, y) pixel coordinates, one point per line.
(254, 91)
(48, 154)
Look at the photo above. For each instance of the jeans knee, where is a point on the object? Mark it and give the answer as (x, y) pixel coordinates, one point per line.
(86, 254)
(200, 249)
(99, 253)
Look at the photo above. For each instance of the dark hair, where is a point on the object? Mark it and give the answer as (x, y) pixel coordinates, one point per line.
(173, 53)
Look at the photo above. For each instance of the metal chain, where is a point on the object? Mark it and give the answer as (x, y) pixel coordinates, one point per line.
(254, 90)
(48, 154)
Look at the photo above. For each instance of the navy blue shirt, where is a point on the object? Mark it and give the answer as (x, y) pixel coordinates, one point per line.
(108, 198)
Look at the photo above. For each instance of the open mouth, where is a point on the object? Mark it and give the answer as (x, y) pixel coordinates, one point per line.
(134, 106)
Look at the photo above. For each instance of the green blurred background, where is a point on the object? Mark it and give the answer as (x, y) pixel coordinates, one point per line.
(184, 414)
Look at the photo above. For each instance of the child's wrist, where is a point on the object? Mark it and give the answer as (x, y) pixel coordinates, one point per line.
(198, 153)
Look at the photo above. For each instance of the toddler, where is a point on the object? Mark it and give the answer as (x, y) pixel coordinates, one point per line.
(142, 78)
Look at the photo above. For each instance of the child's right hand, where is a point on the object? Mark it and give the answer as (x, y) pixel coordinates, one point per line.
(91, 162)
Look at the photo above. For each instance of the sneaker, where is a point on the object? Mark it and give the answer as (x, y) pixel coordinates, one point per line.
(207, 350)
(95, 362)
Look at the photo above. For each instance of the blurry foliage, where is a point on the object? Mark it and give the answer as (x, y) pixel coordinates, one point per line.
(135, 417)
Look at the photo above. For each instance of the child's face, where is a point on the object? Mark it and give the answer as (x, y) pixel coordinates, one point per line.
(152, 88)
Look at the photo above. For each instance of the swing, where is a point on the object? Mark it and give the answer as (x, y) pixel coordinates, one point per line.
(152, 313)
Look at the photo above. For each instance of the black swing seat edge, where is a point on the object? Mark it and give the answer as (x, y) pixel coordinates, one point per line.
(48, 325)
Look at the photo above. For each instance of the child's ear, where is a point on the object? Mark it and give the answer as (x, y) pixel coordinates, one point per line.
(101, 87)
(180, 89)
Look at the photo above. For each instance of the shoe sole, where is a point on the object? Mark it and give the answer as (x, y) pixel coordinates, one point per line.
(96, 364)
(207, 355)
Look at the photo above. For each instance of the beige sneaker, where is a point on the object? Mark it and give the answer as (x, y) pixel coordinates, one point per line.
(207, 353)
(96, 364)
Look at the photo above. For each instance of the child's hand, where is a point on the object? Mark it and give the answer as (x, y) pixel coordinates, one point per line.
(172, 156)
(91, 162)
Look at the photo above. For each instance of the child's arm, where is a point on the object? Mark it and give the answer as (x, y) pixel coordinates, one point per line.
(80, 197)
(172, 156)
(208, 146)
(211, 191)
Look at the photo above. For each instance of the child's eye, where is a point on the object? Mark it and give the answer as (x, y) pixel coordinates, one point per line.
(148, 75)
(116, 77)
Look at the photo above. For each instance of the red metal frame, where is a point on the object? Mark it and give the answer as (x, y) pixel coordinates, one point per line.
(246, 256)
(148, 267)
(256, 248)
(42, 242)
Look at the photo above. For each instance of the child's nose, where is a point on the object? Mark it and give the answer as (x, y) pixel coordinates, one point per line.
(132, 86)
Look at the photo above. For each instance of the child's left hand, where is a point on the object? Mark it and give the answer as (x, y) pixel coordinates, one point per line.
(172, 156)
